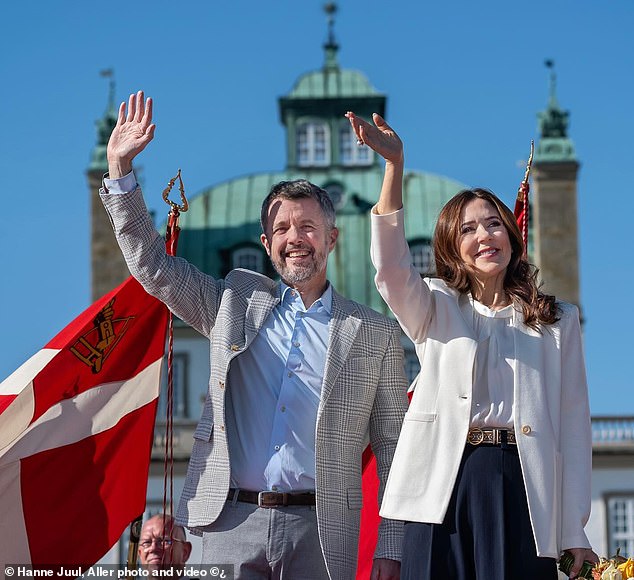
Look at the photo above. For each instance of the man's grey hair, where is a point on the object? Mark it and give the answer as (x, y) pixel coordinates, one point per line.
(298, 189)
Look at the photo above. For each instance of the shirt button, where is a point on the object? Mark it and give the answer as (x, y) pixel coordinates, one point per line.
(526, 429)
(289, 374)
(277, 448)
(296, 344)
(283, 408)
(293, 293)
(274, 488)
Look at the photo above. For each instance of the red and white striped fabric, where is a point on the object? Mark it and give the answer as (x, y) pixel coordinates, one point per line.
(76, 430)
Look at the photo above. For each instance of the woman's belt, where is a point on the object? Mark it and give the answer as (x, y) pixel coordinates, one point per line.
(492, 436)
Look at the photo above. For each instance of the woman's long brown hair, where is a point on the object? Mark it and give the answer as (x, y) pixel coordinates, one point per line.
(520, 281)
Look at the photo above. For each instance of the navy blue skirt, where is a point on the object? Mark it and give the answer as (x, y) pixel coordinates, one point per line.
(486, 533)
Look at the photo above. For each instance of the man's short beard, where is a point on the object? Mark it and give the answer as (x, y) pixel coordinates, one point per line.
(299, 274)
(296, 274)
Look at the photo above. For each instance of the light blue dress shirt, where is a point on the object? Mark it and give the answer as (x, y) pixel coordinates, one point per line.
(273, 391)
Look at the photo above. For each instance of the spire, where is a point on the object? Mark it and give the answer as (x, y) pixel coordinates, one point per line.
(105, 125)
(331, 47)
(109, 74)
(553, 122)
(554, 144)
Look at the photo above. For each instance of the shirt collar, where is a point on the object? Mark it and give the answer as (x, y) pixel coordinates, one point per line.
(325, 299)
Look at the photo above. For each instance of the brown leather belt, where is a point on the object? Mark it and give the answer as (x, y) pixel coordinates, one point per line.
(272, 499)
(492, 436)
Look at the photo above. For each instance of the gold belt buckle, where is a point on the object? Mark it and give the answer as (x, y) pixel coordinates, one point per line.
(478, 431)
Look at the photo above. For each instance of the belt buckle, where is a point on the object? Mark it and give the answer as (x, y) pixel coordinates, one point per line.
(478, 431)
(276, 499)
(262, 501)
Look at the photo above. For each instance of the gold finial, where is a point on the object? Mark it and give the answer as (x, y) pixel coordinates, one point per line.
(529, 163)
(184, 204)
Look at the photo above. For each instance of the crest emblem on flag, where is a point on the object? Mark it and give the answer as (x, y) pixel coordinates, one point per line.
(94, 347)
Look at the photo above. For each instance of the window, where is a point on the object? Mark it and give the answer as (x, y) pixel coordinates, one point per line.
(313, 144)
(179, 375)
(423, 257)
(248, 258)
(336, 194)
(351, 153)
(621, 523)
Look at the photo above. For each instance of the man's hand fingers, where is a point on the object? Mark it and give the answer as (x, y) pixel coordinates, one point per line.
(140, 107)
(150, 133)
(121, 117)
(131, 108)
(147, 115)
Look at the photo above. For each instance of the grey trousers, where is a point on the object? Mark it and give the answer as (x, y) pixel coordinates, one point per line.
(266, 543)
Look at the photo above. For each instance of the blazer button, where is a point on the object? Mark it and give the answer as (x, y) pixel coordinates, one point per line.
(526, 429)
(235, 347)
(221, 384)
(222, 427)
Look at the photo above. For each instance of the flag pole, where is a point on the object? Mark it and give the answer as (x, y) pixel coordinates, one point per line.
(171, 243)
(521, 202)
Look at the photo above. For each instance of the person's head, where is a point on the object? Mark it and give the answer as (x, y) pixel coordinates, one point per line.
(477, 242)
(163, 544)
(298, 231)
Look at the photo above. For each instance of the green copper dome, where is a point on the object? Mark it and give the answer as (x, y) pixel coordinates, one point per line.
(332, 83)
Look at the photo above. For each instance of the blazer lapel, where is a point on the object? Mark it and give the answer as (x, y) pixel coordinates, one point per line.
(344, 326)
(261, 303)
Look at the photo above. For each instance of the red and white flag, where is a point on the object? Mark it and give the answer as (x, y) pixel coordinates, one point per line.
(76, 431)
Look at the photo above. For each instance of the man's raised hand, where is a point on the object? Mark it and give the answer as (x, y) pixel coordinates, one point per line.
(131, 135)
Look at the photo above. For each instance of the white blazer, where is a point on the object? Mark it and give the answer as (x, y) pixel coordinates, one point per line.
(551, 413)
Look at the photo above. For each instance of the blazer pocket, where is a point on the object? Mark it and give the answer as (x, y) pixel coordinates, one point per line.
(355, 498)
(204, 431)
(417, 416)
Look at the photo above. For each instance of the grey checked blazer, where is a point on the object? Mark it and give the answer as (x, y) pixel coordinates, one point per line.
(363, 390)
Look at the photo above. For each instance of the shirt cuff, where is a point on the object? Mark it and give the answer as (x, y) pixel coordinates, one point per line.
(125, 184)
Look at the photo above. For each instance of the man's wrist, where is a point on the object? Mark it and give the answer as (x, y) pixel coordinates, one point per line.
(121, 185)
(118, 168)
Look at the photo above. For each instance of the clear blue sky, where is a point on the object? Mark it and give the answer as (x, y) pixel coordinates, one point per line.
(464, 79)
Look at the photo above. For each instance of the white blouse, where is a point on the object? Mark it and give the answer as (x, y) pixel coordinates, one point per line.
(492, 400)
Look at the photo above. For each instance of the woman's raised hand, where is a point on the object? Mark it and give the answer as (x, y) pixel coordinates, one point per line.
(131, 134)
(380, 137)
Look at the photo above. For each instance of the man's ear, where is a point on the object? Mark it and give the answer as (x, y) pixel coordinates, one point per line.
(265, 243)
(334, 234)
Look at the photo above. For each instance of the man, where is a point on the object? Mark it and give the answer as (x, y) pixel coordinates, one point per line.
(300, 377)
(163, 544)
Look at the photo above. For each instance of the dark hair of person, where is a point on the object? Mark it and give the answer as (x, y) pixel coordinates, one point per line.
(520, 281)
(298, 189)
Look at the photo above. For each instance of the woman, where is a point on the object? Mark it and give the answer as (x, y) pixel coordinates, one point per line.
(492, 468)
